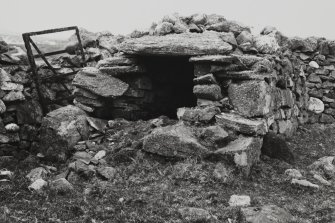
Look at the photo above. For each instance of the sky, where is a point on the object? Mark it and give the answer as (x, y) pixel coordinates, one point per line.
(292, 17)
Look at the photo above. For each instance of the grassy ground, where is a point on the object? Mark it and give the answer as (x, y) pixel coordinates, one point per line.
(151, 189)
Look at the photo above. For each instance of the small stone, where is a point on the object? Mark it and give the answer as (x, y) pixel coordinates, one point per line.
(191, 214)
(239, 201)
(324, 118)
(314, 78)
(4, 138)
(304, 183)
(325, 165)
(12, 127)
(9, 86)
(14, 96)
(214, 136)
(221, 173)
(83, 156)
(315, 105)
(37, 173)
(313, 64)
(61, 185)
(266, 214)
(327, 100)
(84, 170)
(163, 28)
(293, 173)
(2, 107)
(206, 79)
(38, 185)
(101, 154)
(204, 115)
(107, 172)
(322, 180)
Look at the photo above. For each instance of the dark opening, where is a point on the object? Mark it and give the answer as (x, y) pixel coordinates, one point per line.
(172, 81)
(166, 85)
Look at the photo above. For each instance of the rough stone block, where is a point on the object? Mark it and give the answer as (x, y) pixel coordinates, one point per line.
(244, 152)
(210, 92)
(93, 80)
(204, 115)
(174, 141)
(251, 98)
(61, 129)
(241, 124)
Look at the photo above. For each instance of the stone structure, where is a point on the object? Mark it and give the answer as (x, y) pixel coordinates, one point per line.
(227, 86)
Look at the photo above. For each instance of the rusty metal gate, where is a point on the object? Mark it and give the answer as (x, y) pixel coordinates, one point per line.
(29, 43)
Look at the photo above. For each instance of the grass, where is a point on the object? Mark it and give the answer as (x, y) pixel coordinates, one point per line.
(151, 189)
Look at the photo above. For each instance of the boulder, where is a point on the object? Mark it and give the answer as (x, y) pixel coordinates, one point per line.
(266, 214)
(61, 129)
(315, 105)
(243, 152)
(241, 124)
(185, 44)
(96, 82)
(174, 141)
(250, 98)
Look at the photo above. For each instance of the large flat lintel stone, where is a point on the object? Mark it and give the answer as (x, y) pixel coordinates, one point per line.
(185, 44)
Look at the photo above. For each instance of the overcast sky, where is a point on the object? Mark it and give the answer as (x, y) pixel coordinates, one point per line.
(292, 17)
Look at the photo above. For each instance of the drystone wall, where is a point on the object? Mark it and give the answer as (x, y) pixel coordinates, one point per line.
(227, 86)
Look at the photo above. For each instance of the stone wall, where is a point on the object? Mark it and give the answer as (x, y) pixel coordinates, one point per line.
(203, 69)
